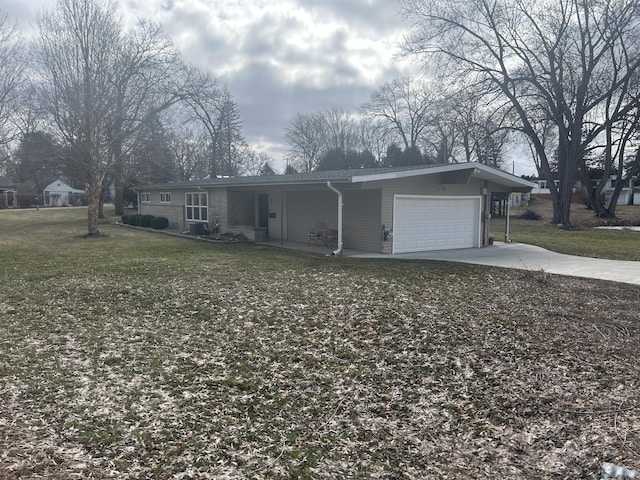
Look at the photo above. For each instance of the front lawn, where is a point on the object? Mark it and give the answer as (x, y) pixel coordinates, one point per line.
(584, 240)
(140, 355)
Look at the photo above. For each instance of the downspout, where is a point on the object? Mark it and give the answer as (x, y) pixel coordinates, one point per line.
(506, 226)
(338, 251)
(486, 200)
(281, 217)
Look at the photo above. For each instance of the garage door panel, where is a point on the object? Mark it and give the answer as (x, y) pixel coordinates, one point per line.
(435, 223)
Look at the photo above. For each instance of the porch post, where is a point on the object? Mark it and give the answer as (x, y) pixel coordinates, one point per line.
(338, 251)
(506, 226)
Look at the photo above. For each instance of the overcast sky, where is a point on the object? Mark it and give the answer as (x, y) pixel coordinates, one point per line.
(277, 57)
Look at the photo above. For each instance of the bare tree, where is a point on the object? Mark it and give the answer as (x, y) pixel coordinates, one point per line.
(614, 139)
(189, 151)
(612, 158)
(405, 104)
(482, 126)
(77, 60)
(550, 56)
(215, 110)
(147, 79)
(374, 135)
(439, 137)
(304, 136)
(258, 163)
(202, 96)
(339, 130)
(12, 68)
(312, 135)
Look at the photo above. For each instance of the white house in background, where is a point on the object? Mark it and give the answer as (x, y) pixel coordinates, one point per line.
(8, 193)
(626, 194)
(59, 194)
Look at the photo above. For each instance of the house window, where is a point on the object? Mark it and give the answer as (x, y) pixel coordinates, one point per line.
(165, 197)
(196, 205)
(542, 183)
(145, 197)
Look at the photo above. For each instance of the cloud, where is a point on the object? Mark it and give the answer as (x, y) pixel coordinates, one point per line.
(378, 16)
(310, 45)
(282, 57)
(267, 108)
(277, 57)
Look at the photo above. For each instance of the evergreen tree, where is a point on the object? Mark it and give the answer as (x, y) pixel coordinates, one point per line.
(38, 160)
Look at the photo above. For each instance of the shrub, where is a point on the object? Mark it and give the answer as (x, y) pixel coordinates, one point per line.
(530, 215)
(145, 220)
(136, 220)
(159, 223)
(126, 219)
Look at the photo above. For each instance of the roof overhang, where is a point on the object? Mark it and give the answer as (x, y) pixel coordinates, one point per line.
(457, 173)
(453, 173)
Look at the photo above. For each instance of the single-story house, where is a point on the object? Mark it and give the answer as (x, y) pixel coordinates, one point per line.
(59, 194)
(8, 193)
(390, 210)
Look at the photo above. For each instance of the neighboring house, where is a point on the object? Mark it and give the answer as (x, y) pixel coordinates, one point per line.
(626, 194)
(8, 193)
(389, 210)
(519, 199)
(541, 188)
(59, 194)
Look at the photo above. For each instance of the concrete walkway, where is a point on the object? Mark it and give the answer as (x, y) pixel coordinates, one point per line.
(529, 257)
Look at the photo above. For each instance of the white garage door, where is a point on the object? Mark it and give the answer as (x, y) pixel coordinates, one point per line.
(423, 223)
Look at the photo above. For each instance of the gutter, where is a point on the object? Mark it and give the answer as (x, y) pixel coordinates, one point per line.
(338, 251)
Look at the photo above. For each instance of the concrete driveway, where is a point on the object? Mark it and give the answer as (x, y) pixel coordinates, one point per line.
(530, 257)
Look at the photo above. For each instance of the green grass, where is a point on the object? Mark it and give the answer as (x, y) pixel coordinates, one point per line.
(584, 240)
(141, 355)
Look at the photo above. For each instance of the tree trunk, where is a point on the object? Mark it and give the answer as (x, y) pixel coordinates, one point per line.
(118, 197)
(93, 211)
(94, 192)
(562, 209)
(599, 206)
(568, 160)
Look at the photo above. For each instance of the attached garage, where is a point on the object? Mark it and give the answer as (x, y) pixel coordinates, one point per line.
(388, 210)
(424, 223)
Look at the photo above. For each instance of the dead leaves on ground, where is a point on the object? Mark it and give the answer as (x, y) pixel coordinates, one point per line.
(329, 369)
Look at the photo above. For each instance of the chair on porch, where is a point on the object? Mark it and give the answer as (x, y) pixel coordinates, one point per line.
(318, 235)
